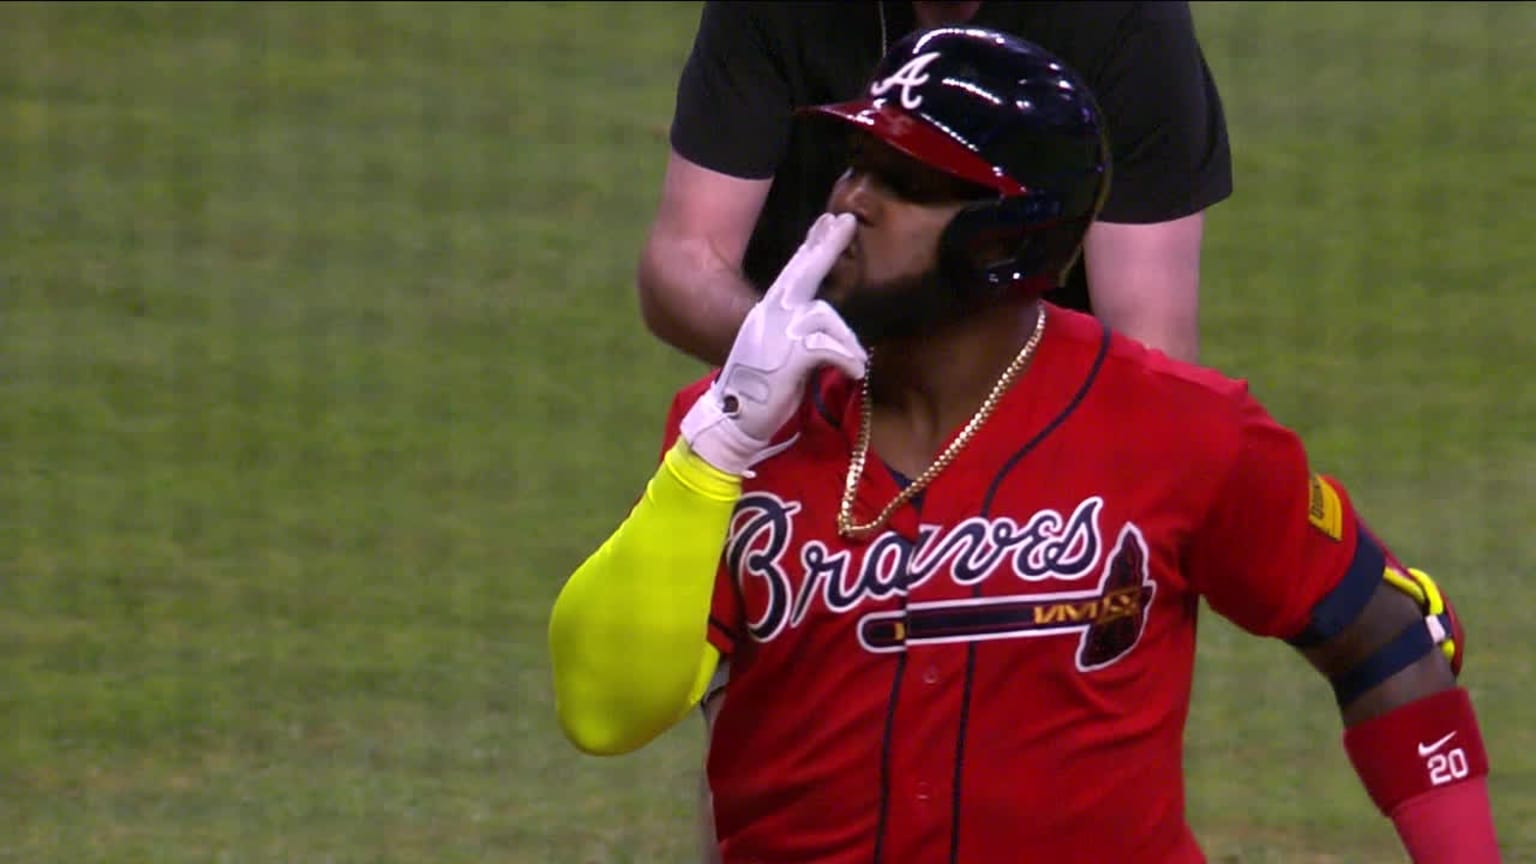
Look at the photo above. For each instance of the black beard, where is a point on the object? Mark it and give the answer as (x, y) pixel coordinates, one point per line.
(907, 307)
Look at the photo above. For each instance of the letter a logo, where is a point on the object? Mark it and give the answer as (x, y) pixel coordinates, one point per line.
(910, 75)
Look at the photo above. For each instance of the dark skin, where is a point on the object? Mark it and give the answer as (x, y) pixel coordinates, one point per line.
(926, 387)
(1388, 612)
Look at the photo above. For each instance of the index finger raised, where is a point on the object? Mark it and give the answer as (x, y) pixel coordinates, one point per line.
(826, 240)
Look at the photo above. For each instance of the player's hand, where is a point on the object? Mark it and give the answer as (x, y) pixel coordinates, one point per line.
(785, 336)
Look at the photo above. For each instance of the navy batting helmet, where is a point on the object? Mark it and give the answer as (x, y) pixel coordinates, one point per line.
(1003, 114)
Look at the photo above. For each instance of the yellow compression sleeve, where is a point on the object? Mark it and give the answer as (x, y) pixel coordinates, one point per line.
(627, 633)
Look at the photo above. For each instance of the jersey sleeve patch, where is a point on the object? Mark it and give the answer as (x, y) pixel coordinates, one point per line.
(1323, 509)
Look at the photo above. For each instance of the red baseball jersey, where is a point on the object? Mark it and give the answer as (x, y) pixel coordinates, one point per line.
(1003, 673)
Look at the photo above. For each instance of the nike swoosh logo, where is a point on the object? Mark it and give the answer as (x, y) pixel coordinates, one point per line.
(1425, 751)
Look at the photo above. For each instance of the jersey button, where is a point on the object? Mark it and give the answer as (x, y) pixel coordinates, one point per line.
(931, 674)
(924, 792)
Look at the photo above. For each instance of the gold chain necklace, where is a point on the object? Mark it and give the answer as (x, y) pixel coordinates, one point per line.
(845, 523)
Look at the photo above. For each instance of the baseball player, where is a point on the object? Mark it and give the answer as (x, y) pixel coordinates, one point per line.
(939, 544)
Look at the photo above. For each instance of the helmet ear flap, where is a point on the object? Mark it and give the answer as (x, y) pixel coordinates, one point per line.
(992, 244)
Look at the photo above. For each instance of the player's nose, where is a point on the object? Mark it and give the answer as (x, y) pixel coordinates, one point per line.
(854, 193)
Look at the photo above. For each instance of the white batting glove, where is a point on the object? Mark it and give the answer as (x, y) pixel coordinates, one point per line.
(785, 336)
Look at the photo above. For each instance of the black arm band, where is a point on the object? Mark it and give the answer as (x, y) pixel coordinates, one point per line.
(1405, 649)
(1341, 606)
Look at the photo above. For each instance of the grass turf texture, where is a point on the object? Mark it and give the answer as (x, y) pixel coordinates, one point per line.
(322, 367)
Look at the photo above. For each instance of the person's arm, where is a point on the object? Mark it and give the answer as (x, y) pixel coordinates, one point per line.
(730, 129)
(1412, 735)
(627, 635)
(693, 294)
(1144, 281)
(1284, 554)
(629, 632)
(1171, 163)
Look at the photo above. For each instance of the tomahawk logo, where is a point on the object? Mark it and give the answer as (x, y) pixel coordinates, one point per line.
(1108, 620)
(912, 74)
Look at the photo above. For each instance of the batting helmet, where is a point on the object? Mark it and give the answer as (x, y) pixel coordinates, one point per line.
(1003, 114)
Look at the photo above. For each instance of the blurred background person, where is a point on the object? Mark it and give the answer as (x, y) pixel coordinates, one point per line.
(742, 185)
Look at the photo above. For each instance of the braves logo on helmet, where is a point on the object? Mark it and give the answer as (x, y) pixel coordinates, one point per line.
(1004, 115)
(909, 77)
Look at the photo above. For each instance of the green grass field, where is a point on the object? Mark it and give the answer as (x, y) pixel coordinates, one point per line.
(322, 368)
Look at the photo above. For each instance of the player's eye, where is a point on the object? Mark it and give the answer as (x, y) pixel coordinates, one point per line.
(898, 176)
(923, 187)
(903, 186)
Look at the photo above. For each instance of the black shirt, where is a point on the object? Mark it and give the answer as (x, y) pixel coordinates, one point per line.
(753, 63)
